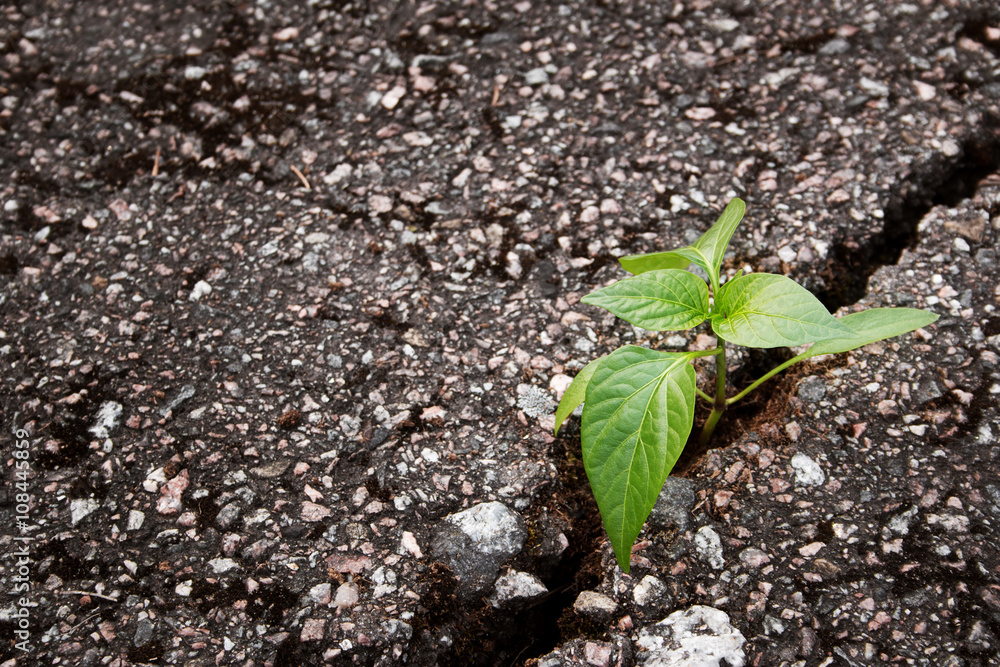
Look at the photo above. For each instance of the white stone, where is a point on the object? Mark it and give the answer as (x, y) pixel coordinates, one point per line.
(874, 87)
(339, 173)
(811, 549)
(106, 420)
(787, 253)
(320, 593)
(536, 77)
(590, 214)
(81, 508)
(380, 204)
(953, 523)
(559, 384)
(462, 178)
(409, 543)
(709, 547)
(391, 98)
(648, 591)
(493, 527)
(773, 626)
(220, 565)
(775, 79)
(514, 267)
(286, 34)
(201, 288)
(591, 603)
(234, 477)
(725, 25)
(417, 139)
(193, 72)
(754, 558)
(925, 91)
(316, 238)
(610, 206)
(901, 524)
(515, 586)
(394, 629)
(697, 637)
(700, 113)
(154, 479)
(346, 597)
(135, 520)
(807, 471)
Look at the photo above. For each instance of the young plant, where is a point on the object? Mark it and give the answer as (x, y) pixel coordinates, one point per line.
(638, 404)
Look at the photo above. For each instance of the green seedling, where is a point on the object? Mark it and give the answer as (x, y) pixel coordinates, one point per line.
(639, 404)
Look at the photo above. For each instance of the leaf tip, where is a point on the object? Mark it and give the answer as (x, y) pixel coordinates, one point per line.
(623, 554)
(560, 420)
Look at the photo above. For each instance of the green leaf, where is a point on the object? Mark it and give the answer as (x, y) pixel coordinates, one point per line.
(707, 252)
(873, 325)
(653, 261)
(713, 243)
(636, 419)
(767, 310)
(663, 300)
(575, 393)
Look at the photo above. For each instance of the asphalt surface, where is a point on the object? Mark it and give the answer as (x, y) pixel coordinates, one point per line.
(287, 287)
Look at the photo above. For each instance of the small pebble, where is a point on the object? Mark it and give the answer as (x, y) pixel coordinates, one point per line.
(807, 471)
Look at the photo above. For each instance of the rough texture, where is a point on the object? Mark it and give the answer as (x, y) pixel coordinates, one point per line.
(590, 653)
(516, 588)
(595, 605)
(475, 542)
(696, 637)
(285, 284)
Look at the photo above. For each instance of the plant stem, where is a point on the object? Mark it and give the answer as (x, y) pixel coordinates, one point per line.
(704, 395)
(764, 378)
(714, 352)
(719, 404)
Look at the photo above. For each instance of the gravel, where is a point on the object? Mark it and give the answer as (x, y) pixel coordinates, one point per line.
(700, 637)
(327, 261)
